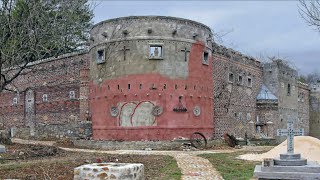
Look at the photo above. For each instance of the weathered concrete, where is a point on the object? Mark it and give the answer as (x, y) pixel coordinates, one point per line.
(116, 171)
(144, 68)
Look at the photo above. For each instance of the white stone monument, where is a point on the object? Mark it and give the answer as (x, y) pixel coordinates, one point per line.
(290, 165)
(116, 171)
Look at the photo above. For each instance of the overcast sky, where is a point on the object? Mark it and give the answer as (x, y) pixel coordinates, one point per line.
(256, 27)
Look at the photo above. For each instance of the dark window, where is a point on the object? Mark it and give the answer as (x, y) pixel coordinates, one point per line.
(129, 86)
(230, 77)
(240, 80)
(249, 82)
(205, 58)
(289, 89)
(100, 56)
(176, 86)
(140, 86)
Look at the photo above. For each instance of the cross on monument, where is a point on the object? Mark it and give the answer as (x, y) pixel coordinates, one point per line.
(290, 133)
(124, 52)
(185, 53)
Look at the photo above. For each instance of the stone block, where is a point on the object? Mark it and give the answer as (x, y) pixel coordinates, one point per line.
(287, 172)
(99, 171)
(2, 149)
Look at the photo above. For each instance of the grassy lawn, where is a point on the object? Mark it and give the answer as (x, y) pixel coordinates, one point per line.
(230, 167)
(171, 170)
(61, 168)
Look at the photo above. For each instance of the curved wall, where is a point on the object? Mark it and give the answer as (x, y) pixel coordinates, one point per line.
(151, 79)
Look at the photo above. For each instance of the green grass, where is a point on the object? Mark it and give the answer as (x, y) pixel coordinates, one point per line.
(171, 170)
(230, 167)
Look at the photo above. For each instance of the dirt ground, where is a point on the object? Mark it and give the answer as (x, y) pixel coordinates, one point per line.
(46, 162)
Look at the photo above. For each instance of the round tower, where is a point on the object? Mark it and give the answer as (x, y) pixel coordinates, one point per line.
(150, 78)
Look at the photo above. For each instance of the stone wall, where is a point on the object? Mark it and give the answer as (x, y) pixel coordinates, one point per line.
(140, 145)
(315, 111)
(237, 81)
(303, 107)
(282, 81)
(78, 130)
(268, 113)
(48, 93)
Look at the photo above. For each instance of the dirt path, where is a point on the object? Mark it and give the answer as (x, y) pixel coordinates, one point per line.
(192, 166)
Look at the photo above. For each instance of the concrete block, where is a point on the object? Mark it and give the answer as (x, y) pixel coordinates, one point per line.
(2, 149)
(259, 173)
(98, 171)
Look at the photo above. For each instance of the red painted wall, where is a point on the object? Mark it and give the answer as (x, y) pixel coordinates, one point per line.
(170, 124)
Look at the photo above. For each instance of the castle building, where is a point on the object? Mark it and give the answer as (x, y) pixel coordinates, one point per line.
(292, 96)
(153, 78)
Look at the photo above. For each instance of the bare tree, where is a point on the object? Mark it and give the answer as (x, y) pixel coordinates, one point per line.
(219, 35)
(310, 12)
(33, 29)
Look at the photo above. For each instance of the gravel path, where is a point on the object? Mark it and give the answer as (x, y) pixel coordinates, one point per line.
(192, 166)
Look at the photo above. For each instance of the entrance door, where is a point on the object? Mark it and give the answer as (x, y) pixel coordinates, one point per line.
(30, 111)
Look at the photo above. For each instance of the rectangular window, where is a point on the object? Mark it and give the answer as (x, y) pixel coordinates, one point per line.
(240, 115)
(72, 95)
(248, 117)
(153, 87)
(15, 101)
(249, 82)
(100, 56)
(240, 80)
(231, 77)
(205, 58)
(155, 52)
(289, 89)
(45, 98)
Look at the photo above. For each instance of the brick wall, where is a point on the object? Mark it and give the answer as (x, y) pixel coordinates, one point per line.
(234, 98)
(53, 82)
